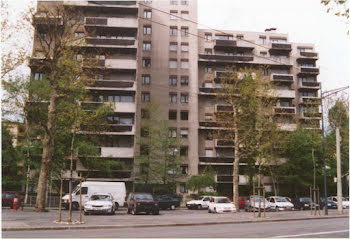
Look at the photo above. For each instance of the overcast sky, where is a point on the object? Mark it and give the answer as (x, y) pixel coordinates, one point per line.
(304, 20)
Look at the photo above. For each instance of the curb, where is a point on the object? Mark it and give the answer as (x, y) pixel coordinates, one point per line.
(165, 225)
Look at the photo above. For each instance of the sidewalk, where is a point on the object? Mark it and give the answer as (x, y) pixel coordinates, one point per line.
(29, 220)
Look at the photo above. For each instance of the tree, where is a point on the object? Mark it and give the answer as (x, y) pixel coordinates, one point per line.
(203, 180)
(158, 160)
(340, 8)
(249, 100)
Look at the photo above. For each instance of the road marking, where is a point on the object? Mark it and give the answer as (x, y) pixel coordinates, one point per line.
(315, 233)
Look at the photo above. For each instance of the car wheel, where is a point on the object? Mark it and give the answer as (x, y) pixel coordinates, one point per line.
(215, 210)
(209, 210)
(128, 211)
(133, 211)
(199, 207)
(86, 213)
(112, 211)
(276, 209)
(75, 206)
(172, 207)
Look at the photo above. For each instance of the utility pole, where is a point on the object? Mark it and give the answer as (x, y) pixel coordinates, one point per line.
(339, 185)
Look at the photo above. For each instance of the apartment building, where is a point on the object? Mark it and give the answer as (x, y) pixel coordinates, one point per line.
(154, 51)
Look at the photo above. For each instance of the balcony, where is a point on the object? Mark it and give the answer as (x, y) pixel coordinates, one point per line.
(209, 143)
(314, 85)
(209, 109)
(220, 143)
(222, 178)
(285, 93)
(285, 110)
(223, 108)
(309, 54)
(112, 85)
(307, 70)
(111, 22)
(225, 43)
(310, 115)
(117, 152)
(280, 48)
(131, 43)
(211, 125)
(225, 58)
(204, 160)
(128, 64)
(110, 129)
(125, 107)
(93, 63)
(232, 44)
(288, 78)
(287, 127)
(310, 100)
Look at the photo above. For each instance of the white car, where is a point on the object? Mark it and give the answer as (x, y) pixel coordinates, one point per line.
(345, 202)
(221, 204)
(280, 203)
(202, 202)
(252, 205)
(100, 203)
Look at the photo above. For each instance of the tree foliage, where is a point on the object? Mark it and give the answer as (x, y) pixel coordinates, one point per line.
(203, 180)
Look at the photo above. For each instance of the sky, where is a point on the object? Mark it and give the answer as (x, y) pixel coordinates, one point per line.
(305, 21)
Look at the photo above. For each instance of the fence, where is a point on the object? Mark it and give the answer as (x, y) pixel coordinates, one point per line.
(52, 201)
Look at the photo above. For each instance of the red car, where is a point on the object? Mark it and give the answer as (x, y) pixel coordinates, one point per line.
(241, 201)
(7, 199)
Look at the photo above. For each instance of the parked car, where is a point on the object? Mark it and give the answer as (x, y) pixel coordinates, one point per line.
(8, 196)
(331, 204)
(88, 188)
(280, 204)
(254, 205)
(201, 203)
(142, 202)
(345, 203)
(100, 203)
(167, 202)
(302, 203)
(221, 204)
(241, 201)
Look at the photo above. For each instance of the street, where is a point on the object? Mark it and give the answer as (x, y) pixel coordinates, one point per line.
(334, 228)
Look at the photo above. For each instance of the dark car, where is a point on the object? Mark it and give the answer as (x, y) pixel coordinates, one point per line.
(7, 199)
(331, 204)
(142, 202)
(301, 203)
(167, 202)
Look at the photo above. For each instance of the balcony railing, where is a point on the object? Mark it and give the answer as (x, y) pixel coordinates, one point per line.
(112, 84)
(224, 178)
(309, 54)
(310, 100)
(205, 159)
(223, 143)
(93, 62)
(285, 110)
(313, 115)
(96, 21)
(310, 84)
(110, 41)
(310, 70)
(225, 43)
(282, 77)
(281, 46)
(226, 58)
(223, 108)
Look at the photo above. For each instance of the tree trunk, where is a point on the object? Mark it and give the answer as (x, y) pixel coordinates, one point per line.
(48, 146)
(235, 164)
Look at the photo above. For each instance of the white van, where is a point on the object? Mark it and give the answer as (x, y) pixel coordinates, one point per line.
(117, 189)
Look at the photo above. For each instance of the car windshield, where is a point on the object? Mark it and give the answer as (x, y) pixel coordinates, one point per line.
(258, 199)
(281, 200)
(100, 198)
(304, 199)
(222, 200)
(200, 198)
(143, 197)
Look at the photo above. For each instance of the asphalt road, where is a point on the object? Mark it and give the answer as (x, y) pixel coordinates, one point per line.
(327, 228)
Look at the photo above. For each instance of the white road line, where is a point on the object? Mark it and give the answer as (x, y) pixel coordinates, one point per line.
(314, 233)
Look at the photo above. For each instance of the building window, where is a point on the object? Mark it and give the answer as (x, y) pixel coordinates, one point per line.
(184, 31)
(184, 63)
(172, 63)
(144, 132)
(184, 133)
(172, 114)
(184, 15)
(43, 36)
(184, 98)
(145, 97)
(173, 46)
(146, 62)
(183, 188)
(146, 46)
(146, 79)
(209, 153)
(208, 51)
(172, 133)
(184, 2)
(147, 13)
(208, 117)
(173, 2)
(208, 69)
(184, 47)
(240, 37)
(263, 53)
(208, 36)
(147, 1)
(184, 115)
(172, 97)
(99, 77)
(173, 31)
(184, 80)
(265, 72)
(79, 35)
(262, 40)
(223, 37)
(144, 114)
(173, 15)
(278, 40)
(184, 170)
(38, 76)
(183, 151)
(172, 80)
(147, 30)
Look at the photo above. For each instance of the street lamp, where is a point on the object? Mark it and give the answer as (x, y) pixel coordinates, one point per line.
(174, 188)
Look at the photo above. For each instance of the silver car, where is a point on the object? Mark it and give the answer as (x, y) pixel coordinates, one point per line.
(250, 205)
(100, 203)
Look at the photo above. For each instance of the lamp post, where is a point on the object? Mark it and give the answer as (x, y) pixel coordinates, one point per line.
(174, 188)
